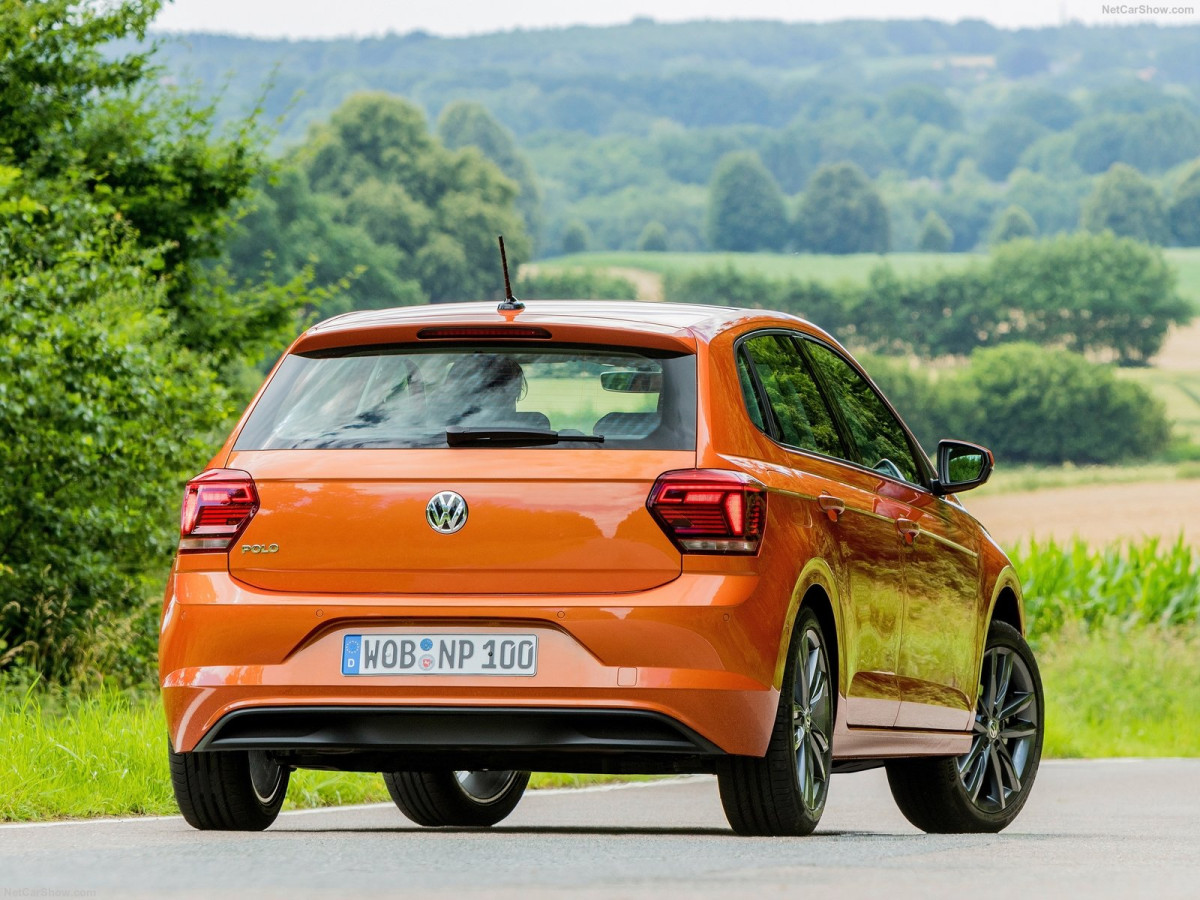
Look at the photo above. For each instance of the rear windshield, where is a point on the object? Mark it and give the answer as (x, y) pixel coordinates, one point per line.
(406, 397)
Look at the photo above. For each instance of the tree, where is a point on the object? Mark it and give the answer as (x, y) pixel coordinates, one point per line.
(1048, 108)
(576, 237)
(1161, 138)
(439, 210)
(1126, 204)
(1184, 211)
(936, 236)
(1037, 405)
(745, 206)
(926, 104)
(1091, 292)
(1100, 142)
(842, 212)
(122, 348)
(653, 238)
(1003, 142)
(1011, 224)
(287, 230)
(70, 108)
(465, 123)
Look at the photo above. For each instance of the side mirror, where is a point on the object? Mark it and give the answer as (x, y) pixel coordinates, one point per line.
(961, 466)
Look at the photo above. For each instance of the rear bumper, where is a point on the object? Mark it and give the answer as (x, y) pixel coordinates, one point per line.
(383, 738)
(683, 671)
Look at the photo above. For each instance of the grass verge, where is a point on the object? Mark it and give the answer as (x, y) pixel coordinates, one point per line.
(1112, 692)
(104, 754)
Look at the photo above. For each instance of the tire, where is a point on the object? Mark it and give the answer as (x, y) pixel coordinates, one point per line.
(229, 790)
(983, 790)
(463, 799)
(784, 792)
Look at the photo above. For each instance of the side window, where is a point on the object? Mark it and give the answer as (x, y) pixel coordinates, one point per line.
(804, 419)
(749, 394)
(880, 439)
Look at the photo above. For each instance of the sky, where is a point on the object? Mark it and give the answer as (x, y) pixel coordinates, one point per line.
(362, 18)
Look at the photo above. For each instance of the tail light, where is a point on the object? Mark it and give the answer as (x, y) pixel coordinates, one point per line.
(710, 510)
(217, 506)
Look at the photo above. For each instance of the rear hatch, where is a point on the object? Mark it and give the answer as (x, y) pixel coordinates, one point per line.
(464, 469)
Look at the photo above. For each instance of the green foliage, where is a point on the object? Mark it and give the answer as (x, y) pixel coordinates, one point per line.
(1002, 143)
(1048, 108)
(1184, 211)
(745, 207)
(440, 210)
(121, 346)
(1151, 709)
(936, 236)
(1030, 405)
(574, 284)
(842, 212)
(576, 237)
(1123, 585)
(70, 111)
(287, 231)
(621, 123)
(925, 104)
(103, 412)
(1126, 204)
(1089, 292)
(653, 238)
(55, 73)
(1013, 223)
(465, 123)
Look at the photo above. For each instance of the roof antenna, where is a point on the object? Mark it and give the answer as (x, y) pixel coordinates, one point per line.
(510, 303)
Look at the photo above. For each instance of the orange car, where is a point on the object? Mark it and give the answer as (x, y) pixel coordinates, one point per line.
(453, 544)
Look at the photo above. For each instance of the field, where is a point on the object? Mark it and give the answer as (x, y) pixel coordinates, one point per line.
(853, 268)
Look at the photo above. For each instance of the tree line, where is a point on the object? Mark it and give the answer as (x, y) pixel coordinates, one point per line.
(966, 123)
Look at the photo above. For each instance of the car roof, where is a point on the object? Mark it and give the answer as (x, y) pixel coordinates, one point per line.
(631, 315)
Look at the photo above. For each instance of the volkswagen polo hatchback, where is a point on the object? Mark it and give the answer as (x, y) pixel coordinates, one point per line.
(454, 544)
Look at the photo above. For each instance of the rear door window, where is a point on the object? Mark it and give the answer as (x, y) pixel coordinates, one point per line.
(800, 414)
(407, 396)
(881, 442)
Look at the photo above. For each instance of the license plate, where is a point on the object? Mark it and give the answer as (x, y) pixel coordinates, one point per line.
(439, 654)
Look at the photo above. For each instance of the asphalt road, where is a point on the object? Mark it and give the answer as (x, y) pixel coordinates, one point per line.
(1094, 829)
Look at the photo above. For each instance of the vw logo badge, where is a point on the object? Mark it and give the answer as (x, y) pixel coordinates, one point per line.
(446, 512)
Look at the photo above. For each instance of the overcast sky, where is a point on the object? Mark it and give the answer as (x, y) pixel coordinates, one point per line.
(334, 18)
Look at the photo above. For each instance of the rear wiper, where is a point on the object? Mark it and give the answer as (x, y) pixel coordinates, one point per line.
(461, 436)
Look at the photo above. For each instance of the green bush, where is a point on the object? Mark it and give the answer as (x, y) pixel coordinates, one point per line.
(1029, 405)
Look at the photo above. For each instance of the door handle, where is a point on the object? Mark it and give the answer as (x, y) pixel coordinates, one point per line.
(908, 530)
(833, 506)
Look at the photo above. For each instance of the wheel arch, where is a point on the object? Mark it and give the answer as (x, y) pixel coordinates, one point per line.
(1007, 602)
(815, 588)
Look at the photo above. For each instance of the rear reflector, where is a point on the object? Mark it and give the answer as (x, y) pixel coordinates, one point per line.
(710, 510)
(488, 331)
(217, 506)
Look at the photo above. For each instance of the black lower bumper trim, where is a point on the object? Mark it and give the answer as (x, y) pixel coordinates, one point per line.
(454, 731)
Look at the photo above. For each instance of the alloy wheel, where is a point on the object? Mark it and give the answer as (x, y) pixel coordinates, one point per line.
(1007, 719)
(812, 720)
